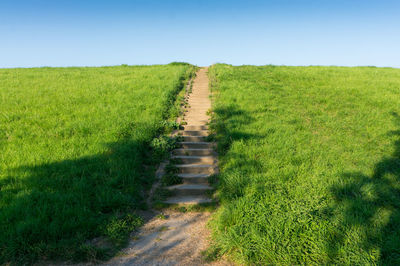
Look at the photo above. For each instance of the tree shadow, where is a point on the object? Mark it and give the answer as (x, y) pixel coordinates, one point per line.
(50, 211)
(228, 123)
(371, 205)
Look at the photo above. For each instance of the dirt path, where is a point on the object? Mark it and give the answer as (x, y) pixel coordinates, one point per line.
(195, 159)
(176, 238)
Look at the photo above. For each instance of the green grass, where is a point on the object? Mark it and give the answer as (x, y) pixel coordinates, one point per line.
(77, 156)
(310, 164)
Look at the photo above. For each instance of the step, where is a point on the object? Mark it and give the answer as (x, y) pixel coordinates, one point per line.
(196, 121)
(189, 189)
(187, 159)
(193, 138)
(193, 152)
(199, 104)
(195, 168)
(198, 127)
(196, 145)
(194, 133)
(199, 107)
(188, 200)
(194, 178)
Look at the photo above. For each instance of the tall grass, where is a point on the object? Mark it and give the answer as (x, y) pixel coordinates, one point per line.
(310, 164)
(75, 159)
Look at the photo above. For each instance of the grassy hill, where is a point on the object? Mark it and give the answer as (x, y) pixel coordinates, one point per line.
(75, 155)
(310, 164)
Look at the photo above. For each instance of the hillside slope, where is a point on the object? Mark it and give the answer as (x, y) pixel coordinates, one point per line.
(309, 164)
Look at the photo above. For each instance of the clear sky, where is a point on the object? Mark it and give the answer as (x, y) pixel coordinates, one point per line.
(281, 32)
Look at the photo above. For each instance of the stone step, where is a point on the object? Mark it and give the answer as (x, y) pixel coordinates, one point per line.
(200, 106)
(199, 127)
(197, 121)
(194, 178)
(193, 116)
(199, 99)
(194, 133)
(197, 107)
(193, 152)
(195, 168)
(187, 159)
(192, 120)
(196, 145)
(186, 200)
(189, 189)
(194, 138)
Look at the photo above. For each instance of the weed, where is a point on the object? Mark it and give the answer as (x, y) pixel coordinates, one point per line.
(170, 124)
(170, 179)
(211, 254)
(162, 145)
(201, 207)
(118, 229)
(160, 195)
(163, 228)
(210, 138)
(171, 168)
(161, 216)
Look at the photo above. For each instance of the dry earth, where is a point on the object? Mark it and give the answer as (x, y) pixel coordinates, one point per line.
(178, 239)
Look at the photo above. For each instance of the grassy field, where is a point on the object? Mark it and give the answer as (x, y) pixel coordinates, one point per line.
(310, 164)
(76, 156)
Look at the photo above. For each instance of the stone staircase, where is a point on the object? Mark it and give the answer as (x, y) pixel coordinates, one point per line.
(196, 163)
(195, 157)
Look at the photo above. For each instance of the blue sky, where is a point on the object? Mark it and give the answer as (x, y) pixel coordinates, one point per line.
(281, 32)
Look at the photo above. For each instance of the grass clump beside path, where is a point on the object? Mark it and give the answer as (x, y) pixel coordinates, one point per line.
(309, 164)
(75, 156)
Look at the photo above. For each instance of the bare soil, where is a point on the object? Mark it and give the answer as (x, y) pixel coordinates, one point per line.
(177, 239)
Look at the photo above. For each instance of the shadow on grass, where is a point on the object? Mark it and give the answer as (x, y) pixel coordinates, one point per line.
(50, 211)
(371, 204)
(83, 209)
(228, 125)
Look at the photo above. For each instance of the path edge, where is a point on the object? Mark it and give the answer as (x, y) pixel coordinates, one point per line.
(161, 167)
